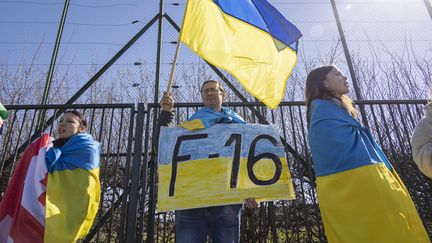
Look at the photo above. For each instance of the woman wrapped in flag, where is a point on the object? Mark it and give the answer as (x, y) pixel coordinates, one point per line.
(54, 193)
(361, 197)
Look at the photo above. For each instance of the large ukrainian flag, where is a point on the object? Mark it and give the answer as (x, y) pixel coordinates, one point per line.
(361, 197)
(73, 190)
(248, 38)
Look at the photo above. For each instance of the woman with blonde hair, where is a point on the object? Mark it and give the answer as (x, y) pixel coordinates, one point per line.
(361, 198)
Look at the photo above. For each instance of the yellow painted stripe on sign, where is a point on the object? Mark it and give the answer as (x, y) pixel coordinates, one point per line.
(206, 182)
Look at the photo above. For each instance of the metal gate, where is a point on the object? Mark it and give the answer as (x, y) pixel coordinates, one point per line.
(128, 209)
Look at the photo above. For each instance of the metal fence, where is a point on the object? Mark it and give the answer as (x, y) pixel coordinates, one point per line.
(128, 209)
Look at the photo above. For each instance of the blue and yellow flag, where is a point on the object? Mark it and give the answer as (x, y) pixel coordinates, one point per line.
(248, 38)
(206, 117)
(361, 197)
(73, 190)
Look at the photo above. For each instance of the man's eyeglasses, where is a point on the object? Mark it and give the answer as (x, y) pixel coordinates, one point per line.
(210, 91)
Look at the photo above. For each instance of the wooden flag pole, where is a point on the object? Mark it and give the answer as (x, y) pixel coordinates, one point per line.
(171, 77)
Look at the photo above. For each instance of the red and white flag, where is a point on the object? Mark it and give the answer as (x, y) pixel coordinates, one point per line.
(22, 209)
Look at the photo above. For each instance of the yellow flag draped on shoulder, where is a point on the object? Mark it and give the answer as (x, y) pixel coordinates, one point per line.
(248, 38)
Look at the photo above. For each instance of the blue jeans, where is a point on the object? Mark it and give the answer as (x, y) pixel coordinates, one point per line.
(221, 222)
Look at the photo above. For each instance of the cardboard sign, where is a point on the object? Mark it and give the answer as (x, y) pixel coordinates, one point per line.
(221, 165)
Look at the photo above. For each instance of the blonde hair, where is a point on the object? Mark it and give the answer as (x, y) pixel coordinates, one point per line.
(315, 89)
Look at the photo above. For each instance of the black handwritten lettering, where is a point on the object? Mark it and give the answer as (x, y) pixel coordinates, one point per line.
(176, 158)
(236, 158)
(253, 159)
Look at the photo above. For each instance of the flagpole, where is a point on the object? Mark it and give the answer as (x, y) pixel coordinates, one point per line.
(171, 77)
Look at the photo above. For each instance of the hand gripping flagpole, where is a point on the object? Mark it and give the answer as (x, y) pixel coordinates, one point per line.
(171, 77)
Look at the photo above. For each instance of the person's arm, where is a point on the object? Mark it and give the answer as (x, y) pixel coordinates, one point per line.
(166, 115)
(421, 142)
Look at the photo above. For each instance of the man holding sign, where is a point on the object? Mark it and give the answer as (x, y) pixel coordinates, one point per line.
(217, 164)
(223, 222)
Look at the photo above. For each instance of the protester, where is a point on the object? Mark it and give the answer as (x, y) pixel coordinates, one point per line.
(361, 197)
(421, 142)
(54, 193)
(222, 223)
